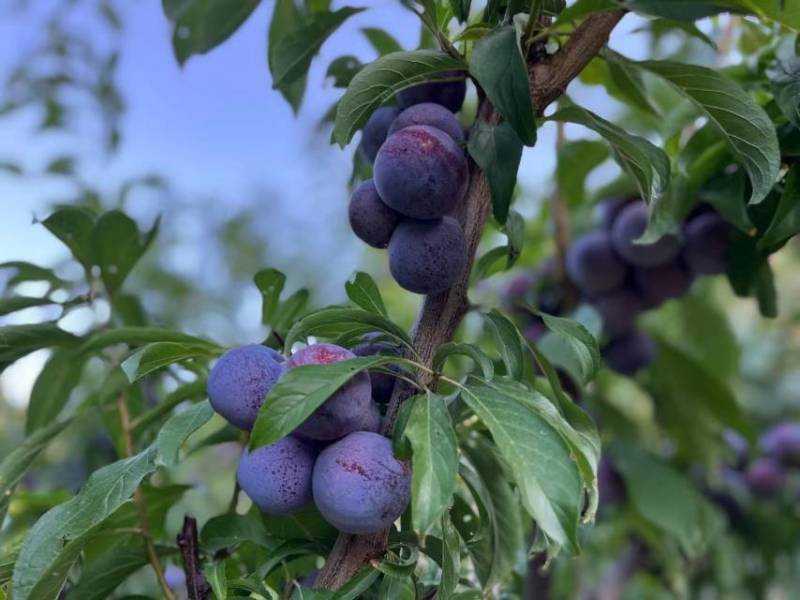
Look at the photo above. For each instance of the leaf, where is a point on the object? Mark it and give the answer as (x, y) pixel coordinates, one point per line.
(137, 336)
(784, 79)
(102, 576)
(15, 303)
(59, 377)
(305, 524)
(380, 80)
(780, 11)
(397, 588)
(744, 124)
(16, 463)
(201, 25)
(576, 159)
(497, 150)
(300, 391)
(542, 465)
(508, 341)
(461, 9)
(25, 271)
(582, 8)
(63, 165)
(647, 164)
(270, 283)
(572, 347)
(216, 574)
(285, 18)
(435, 462)
(227, 531)
(291, 56)
(451, 559)
(667, 500)
(117, 246)
(500, 69)
(382, 41)
(335, 321)
(342, 70)
(471, 351)
(73, 226)
(628, 82)
(18, 340)
(161, 354)
(363, 291)
(177, 430)
(786, 219)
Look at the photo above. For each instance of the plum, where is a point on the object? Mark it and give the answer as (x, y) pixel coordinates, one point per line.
(765, 476)
(592, 264)
(382, 381)
(370, 219)
(375, 131)
(449, 93)
(607, 211)
(619, 310)
(349, 409)
(782, 442)
(707, 238)
(359, 486)
(629, 226)
(610, 484)
(277, 478)
(537, 288)
(427, 257)
(659, 284)
(434, 115)
(421, 172)
(740, 449)
(628, 354)
(240, 380)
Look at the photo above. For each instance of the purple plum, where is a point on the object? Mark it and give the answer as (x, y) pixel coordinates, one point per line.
(449, 93)
(628, 227)
(707, 243)
(375, 130)
(782, 442)
(370, 219)
(593, 266)
(630, 353)
(433, 115)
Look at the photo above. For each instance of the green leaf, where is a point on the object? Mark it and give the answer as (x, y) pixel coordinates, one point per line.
(335, 321)
(433, 440)
(16, 463)
(201, 25)
(460, 9)
(15, 303)
(500, 69)
(73, 226)
(291, 56)
(177, 429)
(508, 341)
(451, 559)
(784, 79)
(576, 159)
(395, 587)
(161, 354)
(62, 165)
(628, 81)
(780, 11)
(102, 576)
(227, 531)
(744, 124)
(582, 8)
(786, 219)
(381, 40)
(364, 292)
(647, 164)
(18, 340)
(25, 271)
(217, 576)
(668, 500)
(542, 465)
(300, 391)
(59, 377)
(305, 524)
(117, 246)
(342, 70)
(270, 283)
(137, 336)
(471, 351)
(572, 347)
(380, 80)
(497, 150)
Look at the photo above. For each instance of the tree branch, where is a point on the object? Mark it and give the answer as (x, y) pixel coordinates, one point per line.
(196, 585)
(441, 314)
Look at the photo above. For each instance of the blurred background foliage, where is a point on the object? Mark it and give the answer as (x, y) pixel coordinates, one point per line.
(95, 113)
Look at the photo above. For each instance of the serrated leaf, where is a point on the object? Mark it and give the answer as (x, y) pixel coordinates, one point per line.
(117, 246)
(435, 462)
(61, 374)
(177, 429)
(15, 464)
(497, 150)
(335, 321)
(382, 41)
(743, 123)
(508, 341)
(542, 465)
(471, 351)
(161, 354)
(300, 391)
(380, 80)
(647, 164)
(291, 56)
(364, 292)
(73, 226)
(499, 67)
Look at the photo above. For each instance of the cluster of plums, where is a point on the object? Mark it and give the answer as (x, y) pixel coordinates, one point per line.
(621, 278)
(335, 458)
(766, 474)
(419, 179)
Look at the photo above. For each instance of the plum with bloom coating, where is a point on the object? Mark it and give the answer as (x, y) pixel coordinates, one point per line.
(707, 244)
(277, 478)
(370, 218)
(421, 172)
(349, 409)
(629, 226)
(375, 131)
(359, 486)
(592, 264)
(765, 476)
(240, 380)
(782, 442)
(434, 115)
(427, 257)
(630, 353)
(450, 93)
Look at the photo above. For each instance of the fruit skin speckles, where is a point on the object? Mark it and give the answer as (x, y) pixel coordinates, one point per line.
(358, 484)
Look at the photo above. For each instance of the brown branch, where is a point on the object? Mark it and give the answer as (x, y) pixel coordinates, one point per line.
(441, 314)
(138, 500)
(196, 584)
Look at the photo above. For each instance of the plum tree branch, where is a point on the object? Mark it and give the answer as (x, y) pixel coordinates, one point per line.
(441, 314)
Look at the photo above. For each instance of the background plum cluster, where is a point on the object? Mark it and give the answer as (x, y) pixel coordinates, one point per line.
(420, 176)
(621, 278)
(334, 458)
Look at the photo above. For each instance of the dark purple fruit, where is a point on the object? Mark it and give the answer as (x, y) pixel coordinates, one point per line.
(375, 130)
(630, 353)
(629, 226)
(593, 266)
(449, 93)
(707, 244)
(659, 284)
(370, 219)
(782, 442)
(433, 115)
(619, 311)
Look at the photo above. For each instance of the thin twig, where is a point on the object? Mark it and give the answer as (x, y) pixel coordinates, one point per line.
(138, 500)
(196, 584)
